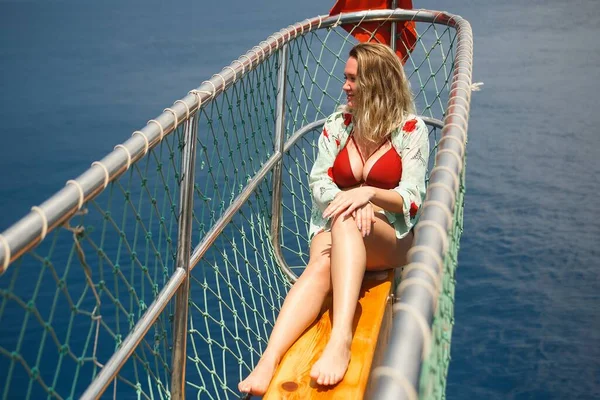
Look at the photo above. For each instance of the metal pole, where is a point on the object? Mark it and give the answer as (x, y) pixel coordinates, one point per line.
(120, 357)
(393, 28)
(277, 171)
(184, 243)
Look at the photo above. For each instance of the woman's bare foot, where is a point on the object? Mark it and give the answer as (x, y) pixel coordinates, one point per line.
(259, 379)
(331, 367)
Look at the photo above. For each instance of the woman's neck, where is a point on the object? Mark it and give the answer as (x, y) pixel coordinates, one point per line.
(366, 147)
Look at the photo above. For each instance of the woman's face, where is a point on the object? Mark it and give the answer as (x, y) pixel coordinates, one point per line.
(350, 80)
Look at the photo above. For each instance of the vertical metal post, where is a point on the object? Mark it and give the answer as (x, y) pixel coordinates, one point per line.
(393, 28)
(184, 244)
(277, 170)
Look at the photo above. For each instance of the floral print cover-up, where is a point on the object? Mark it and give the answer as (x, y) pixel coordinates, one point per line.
(410, 140)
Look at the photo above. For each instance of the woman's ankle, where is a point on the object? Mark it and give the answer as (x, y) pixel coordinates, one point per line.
(342, 336)
(271, 357)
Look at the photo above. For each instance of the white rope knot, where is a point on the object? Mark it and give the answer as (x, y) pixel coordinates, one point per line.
(282, 37)
(106, 174)
(450, 171)
(422, 283)
(256, 52)
(426, 269)
(467, 92)
(247, 58)
(454, 114)
(222, 80)
(242, 64)
(120, 146)
(476, 87)
(447, 188)
(198, 97)
(461, 144)
(460, 128)
(457, 78)
(451, 111)
(398, 378)
(198, 93)
(425, 329)
(81, 196)
(454, 154)
(146, 141)
(187, 108)
(442, 206)
(213, 86)
(429, 251)
(162, 130)
(174, 116)
(267, 44)
(42, 215)
(443, 234)
(309, 26)
(6, 253)
(234, 73)
(336, 24)
(296, 27)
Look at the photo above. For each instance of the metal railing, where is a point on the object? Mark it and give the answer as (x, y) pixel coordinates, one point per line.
(399, 375)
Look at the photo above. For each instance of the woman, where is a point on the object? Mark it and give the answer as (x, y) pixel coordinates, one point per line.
(367, 183)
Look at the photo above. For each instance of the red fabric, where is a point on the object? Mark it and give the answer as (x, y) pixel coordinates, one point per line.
(406, 32)
(409, 126)
(413, 209)
(384, 174)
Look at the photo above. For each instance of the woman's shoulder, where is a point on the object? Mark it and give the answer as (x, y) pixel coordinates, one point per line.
(409, 125)
(339, 123)
(340, 117)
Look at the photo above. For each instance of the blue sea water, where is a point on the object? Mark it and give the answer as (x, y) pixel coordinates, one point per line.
(77, 77)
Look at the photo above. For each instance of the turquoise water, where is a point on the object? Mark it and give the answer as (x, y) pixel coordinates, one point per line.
(78, 78)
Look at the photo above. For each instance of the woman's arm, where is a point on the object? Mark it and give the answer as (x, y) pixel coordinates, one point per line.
(389, 200)
(407, 197)
(415, 156)
(347, 201)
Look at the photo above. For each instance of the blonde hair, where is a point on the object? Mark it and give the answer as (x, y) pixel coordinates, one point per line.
(383, 98)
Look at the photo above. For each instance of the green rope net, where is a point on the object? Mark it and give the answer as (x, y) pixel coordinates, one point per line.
(67, 305)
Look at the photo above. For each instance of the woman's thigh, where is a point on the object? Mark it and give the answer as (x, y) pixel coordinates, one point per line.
(382, 248)
(320, 247)
(318, 269)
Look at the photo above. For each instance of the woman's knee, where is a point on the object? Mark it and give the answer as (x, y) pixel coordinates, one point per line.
(318, 270)
(340, 225)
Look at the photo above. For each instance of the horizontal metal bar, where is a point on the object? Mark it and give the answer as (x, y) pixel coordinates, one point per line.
(238, 202)
(27, 232)
(301, 132)
(436, 123)
(319, 123)
(120, 357)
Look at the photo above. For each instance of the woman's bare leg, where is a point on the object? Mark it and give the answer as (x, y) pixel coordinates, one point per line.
(351, 255)
(300, 308)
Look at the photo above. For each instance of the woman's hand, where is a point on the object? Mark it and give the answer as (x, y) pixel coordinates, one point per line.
(345, 203)
(365, 218)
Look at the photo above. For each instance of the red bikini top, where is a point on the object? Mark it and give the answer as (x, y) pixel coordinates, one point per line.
(384, 174)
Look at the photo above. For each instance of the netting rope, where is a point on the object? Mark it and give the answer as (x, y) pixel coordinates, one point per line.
(68, 304)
